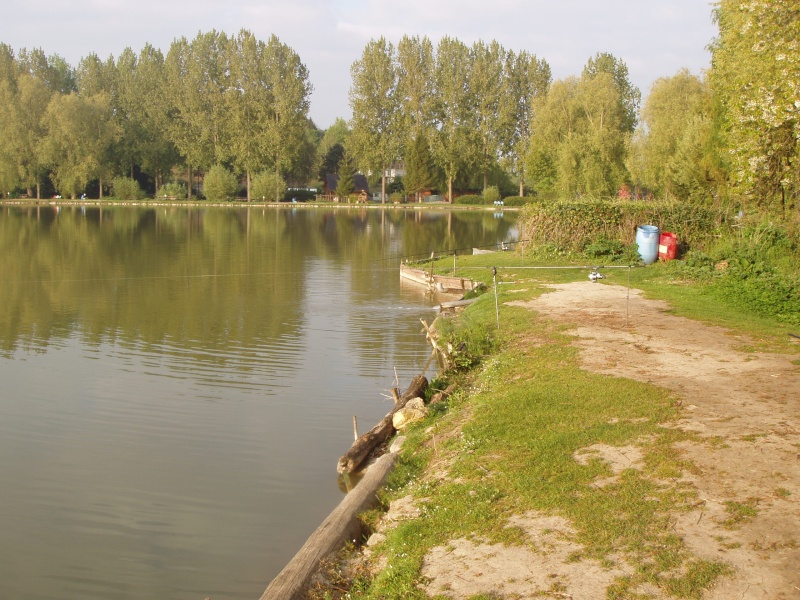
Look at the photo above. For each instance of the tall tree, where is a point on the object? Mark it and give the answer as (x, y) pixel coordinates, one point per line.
(486, 85)
(526, 80)
(33, 98)
(250, 100)
(453, 127)
(629, 96)
(754, 75)
(288, 115)
(674, 105)
(415, 85)
(376, 138)
(80, 134)
(197, 80)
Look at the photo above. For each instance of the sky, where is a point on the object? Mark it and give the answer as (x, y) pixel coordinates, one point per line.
(655, 38)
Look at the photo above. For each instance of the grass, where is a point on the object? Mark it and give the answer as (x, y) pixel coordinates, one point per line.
(509, 437)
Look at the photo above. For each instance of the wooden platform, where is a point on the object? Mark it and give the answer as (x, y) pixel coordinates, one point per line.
(437, 283)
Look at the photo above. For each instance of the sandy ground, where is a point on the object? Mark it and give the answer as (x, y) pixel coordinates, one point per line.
(743, 404)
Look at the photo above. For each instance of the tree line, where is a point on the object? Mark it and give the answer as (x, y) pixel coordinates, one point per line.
(456, 117)
(216, 100)
(729, 134)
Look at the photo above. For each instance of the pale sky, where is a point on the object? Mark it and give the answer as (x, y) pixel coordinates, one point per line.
(655, 38)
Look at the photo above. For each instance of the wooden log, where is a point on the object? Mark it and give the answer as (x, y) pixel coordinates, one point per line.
(341, 526)
(351, 459)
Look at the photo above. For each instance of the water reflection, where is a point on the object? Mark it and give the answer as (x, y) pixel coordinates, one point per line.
(179, 383)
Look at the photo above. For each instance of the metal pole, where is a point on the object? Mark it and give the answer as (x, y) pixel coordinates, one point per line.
(496, 305)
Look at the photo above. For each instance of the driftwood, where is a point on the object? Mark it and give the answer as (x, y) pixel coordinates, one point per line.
(351, 459)
(444, 394)
(341, 526)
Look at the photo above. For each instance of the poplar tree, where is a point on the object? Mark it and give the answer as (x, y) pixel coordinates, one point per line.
(453, 125)
(287, 80)
(526, 81)
(375, 138)
(486, 88)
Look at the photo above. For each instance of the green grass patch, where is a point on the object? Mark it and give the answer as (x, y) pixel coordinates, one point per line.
(509, 437)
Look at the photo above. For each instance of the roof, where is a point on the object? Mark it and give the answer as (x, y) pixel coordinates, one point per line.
(359, 182)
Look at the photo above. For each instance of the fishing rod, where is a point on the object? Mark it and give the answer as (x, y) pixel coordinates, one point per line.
(439, 253)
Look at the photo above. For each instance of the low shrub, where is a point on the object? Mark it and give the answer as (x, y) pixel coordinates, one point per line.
(491, 194)
(518, 200)
(172, 191)
(125, 188)
(220, 184)
(267, 186)
(470, 200)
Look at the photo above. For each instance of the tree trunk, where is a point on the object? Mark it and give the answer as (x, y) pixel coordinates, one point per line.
(383, 184)
(450, 189)
(351, 459)
(189, 180)
(521, 184)
(248, 185)
(100, 181)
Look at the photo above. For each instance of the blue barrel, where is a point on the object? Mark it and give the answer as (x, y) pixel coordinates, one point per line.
(647, 240)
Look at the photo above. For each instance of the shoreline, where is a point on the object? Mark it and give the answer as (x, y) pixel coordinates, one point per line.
(215, 204)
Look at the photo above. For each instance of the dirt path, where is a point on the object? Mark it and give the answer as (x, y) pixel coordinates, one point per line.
(743, 404)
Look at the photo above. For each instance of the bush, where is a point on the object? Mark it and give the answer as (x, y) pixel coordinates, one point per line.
(125, 188)
(266, 185)
(220, 184)
(517, 200)
(491, 194)
(172, 191)
(470, 200)
(572, 225)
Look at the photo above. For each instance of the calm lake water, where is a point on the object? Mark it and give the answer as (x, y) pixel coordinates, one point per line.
(178, 384)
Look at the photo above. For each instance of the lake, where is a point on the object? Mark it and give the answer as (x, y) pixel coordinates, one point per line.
(178, 384)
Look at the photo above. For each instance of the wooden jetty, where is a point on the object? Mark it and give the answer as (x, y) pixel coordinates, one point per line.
(437, 283)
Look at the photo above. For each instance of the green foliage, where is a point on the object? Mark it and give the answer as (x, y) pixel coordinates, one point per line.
(573, 225)
(468, 342)
(517, 201)
(267, 186)
(471, 200)
(220, 184)
(125, 188)
(756, 67)
(421, 173)
(347, 171)
(491, 194)
(755, 269)
(172, 190)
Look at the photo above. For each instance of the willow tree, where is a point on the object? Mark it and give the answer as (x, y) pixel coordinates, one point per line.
(375, 139)
(755, 73)
(452, 113)
(526, 80)
(676, 125)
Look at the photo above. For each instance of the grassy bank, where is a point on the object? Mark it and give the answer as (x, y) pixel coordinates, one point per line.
(507, 441)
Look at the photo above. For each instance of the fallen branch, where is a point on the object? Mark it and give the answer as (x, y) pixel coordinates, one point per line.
(362, 447)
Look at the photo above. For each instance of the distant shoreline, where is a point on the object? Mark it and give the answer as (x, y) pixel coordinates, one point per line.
(243, 204)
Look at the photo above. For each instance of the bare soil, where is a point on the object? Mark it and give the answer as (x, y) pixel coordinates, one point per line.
(744, 406)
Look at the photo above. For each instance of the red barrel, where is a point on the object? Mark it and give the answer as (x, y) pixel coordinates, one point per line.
(667, 246)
